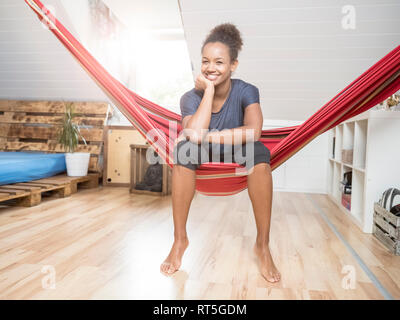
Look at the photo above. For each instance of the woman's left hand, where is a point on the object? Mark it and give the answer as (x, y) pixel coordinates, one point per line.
(180, 138)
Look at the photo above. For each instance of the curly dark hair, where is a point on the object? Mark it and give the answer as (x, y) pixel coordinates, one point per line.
(228, 34)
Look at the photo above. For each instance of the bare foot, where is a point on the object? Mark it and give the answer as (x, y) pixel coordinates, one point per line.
(173, 262)
(266, 264)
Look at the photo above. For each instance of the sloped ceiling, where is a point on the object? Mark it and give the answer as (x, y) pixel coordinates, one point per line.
(149, 15)
(33, 62)
(296, 51)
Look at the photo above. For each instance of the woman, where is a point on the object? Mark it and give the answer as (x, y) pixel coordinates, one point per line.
(230, 107)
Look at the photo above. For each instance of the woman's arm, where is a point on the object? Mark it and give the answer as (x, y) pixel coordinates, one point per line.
(196, 127)
(250, 131)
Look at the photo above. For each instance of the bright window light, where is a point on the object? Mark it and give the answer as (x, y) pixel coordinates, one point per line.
(163, 72)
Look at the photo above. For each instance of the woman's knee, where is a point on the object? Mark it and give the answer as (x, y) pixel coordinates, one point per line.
(261, 148)
(261, 153)
(254, 153)
(187, 154)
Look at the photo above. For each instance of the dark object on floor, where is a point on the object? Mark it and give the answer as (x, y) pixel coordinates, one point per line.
(396, 210)
(152, 180)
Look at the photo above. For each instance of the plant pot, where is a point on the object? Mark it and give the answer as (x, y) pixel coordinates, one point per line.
(77, 163)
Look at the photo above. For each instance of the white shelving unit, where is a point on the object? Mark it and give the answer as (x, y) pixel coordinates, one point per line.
(374, 137)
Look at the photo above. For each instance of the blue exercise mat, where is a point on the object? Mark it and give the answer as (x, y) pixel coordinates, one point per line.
(27, 166)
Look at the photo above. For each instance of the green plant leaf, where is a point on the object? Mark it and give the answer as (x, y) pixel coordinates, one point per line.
(69, 132)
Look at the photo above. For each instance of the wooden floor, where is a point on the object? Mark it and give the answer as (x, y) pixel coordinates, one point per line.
(108, 244)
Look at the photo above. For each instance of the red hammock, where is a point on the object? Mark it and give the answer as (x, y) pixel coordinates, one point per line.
(373, 86)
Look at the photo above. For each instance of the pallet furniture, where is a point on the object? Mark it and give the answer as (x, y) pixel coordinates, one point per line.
(117, 154)
(34, 125)
(373, 137)
(28, 194)
(139, 166)
(387, 228)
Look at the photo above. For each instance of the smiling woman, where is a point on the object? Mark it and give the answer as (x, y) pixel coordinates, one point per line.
(232, 108)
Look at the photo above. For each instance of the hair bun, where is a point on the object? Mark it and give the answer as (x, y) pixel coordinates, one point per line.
(228, 34)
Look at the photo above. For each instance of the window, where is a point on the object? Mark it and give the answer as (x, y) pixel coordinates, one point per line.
(163, 72)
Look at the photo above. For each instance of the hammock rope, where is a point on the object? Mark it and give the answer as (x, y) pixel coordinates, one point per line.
(220, 179)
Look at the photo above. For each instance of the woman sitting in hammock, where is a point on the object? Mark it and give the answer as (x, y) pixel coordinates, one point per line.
(217, 117)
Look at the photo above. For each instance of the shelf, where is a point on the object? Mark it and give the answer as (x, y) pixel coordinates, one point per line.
(374, 114)
(362, 170)
(374, 139)
(357, 197)
(338, 144)
(347, 165)
(337, 173)
(360, 142)
(348, 136)
(346, 212)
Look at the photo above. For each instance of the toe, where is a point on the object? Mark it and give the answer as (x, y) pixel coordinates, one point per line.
(274, 277)
(164, 267)
(171, 269)
(270, 277)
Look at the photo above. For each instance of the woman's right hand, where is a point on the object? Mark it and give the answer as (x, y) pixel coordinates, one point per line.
(202, 83)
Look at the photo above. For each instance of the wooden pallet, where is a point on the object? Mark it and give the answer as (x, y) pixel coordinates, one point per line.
(34, 126)
(28, 194)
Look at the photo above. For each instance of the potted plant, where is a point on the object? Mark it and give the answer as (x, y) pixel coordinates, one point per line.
(69, 135)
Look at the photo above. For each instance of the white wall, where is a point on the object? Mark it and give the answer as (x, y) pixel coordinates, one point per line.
(306, 171)
(33, 63)
(147, 15)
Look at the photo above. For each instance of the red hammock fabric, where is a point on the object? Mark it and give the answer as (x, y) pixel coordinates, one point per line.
(373, 86)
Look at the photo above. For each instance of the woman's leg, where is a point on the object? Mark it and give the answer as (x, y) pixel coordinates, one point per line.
(259, 184)
(183, 189)
(259, 187)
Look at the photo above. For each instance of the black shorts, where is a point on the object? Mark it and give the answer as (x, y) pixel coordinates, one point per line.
(191, 155)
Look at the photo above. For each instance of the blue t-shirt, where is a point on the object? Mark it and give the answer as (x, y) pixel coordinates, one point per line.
(231, 114)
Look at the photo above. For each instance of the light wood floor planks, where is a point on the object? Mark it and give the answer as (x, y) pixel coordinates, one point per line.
(108, 244)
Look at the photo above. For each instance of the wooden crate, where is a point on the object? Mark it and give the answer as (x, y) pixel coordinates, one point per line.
(30, 193)
(139, 166)
(387, 228)
(34, 125)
